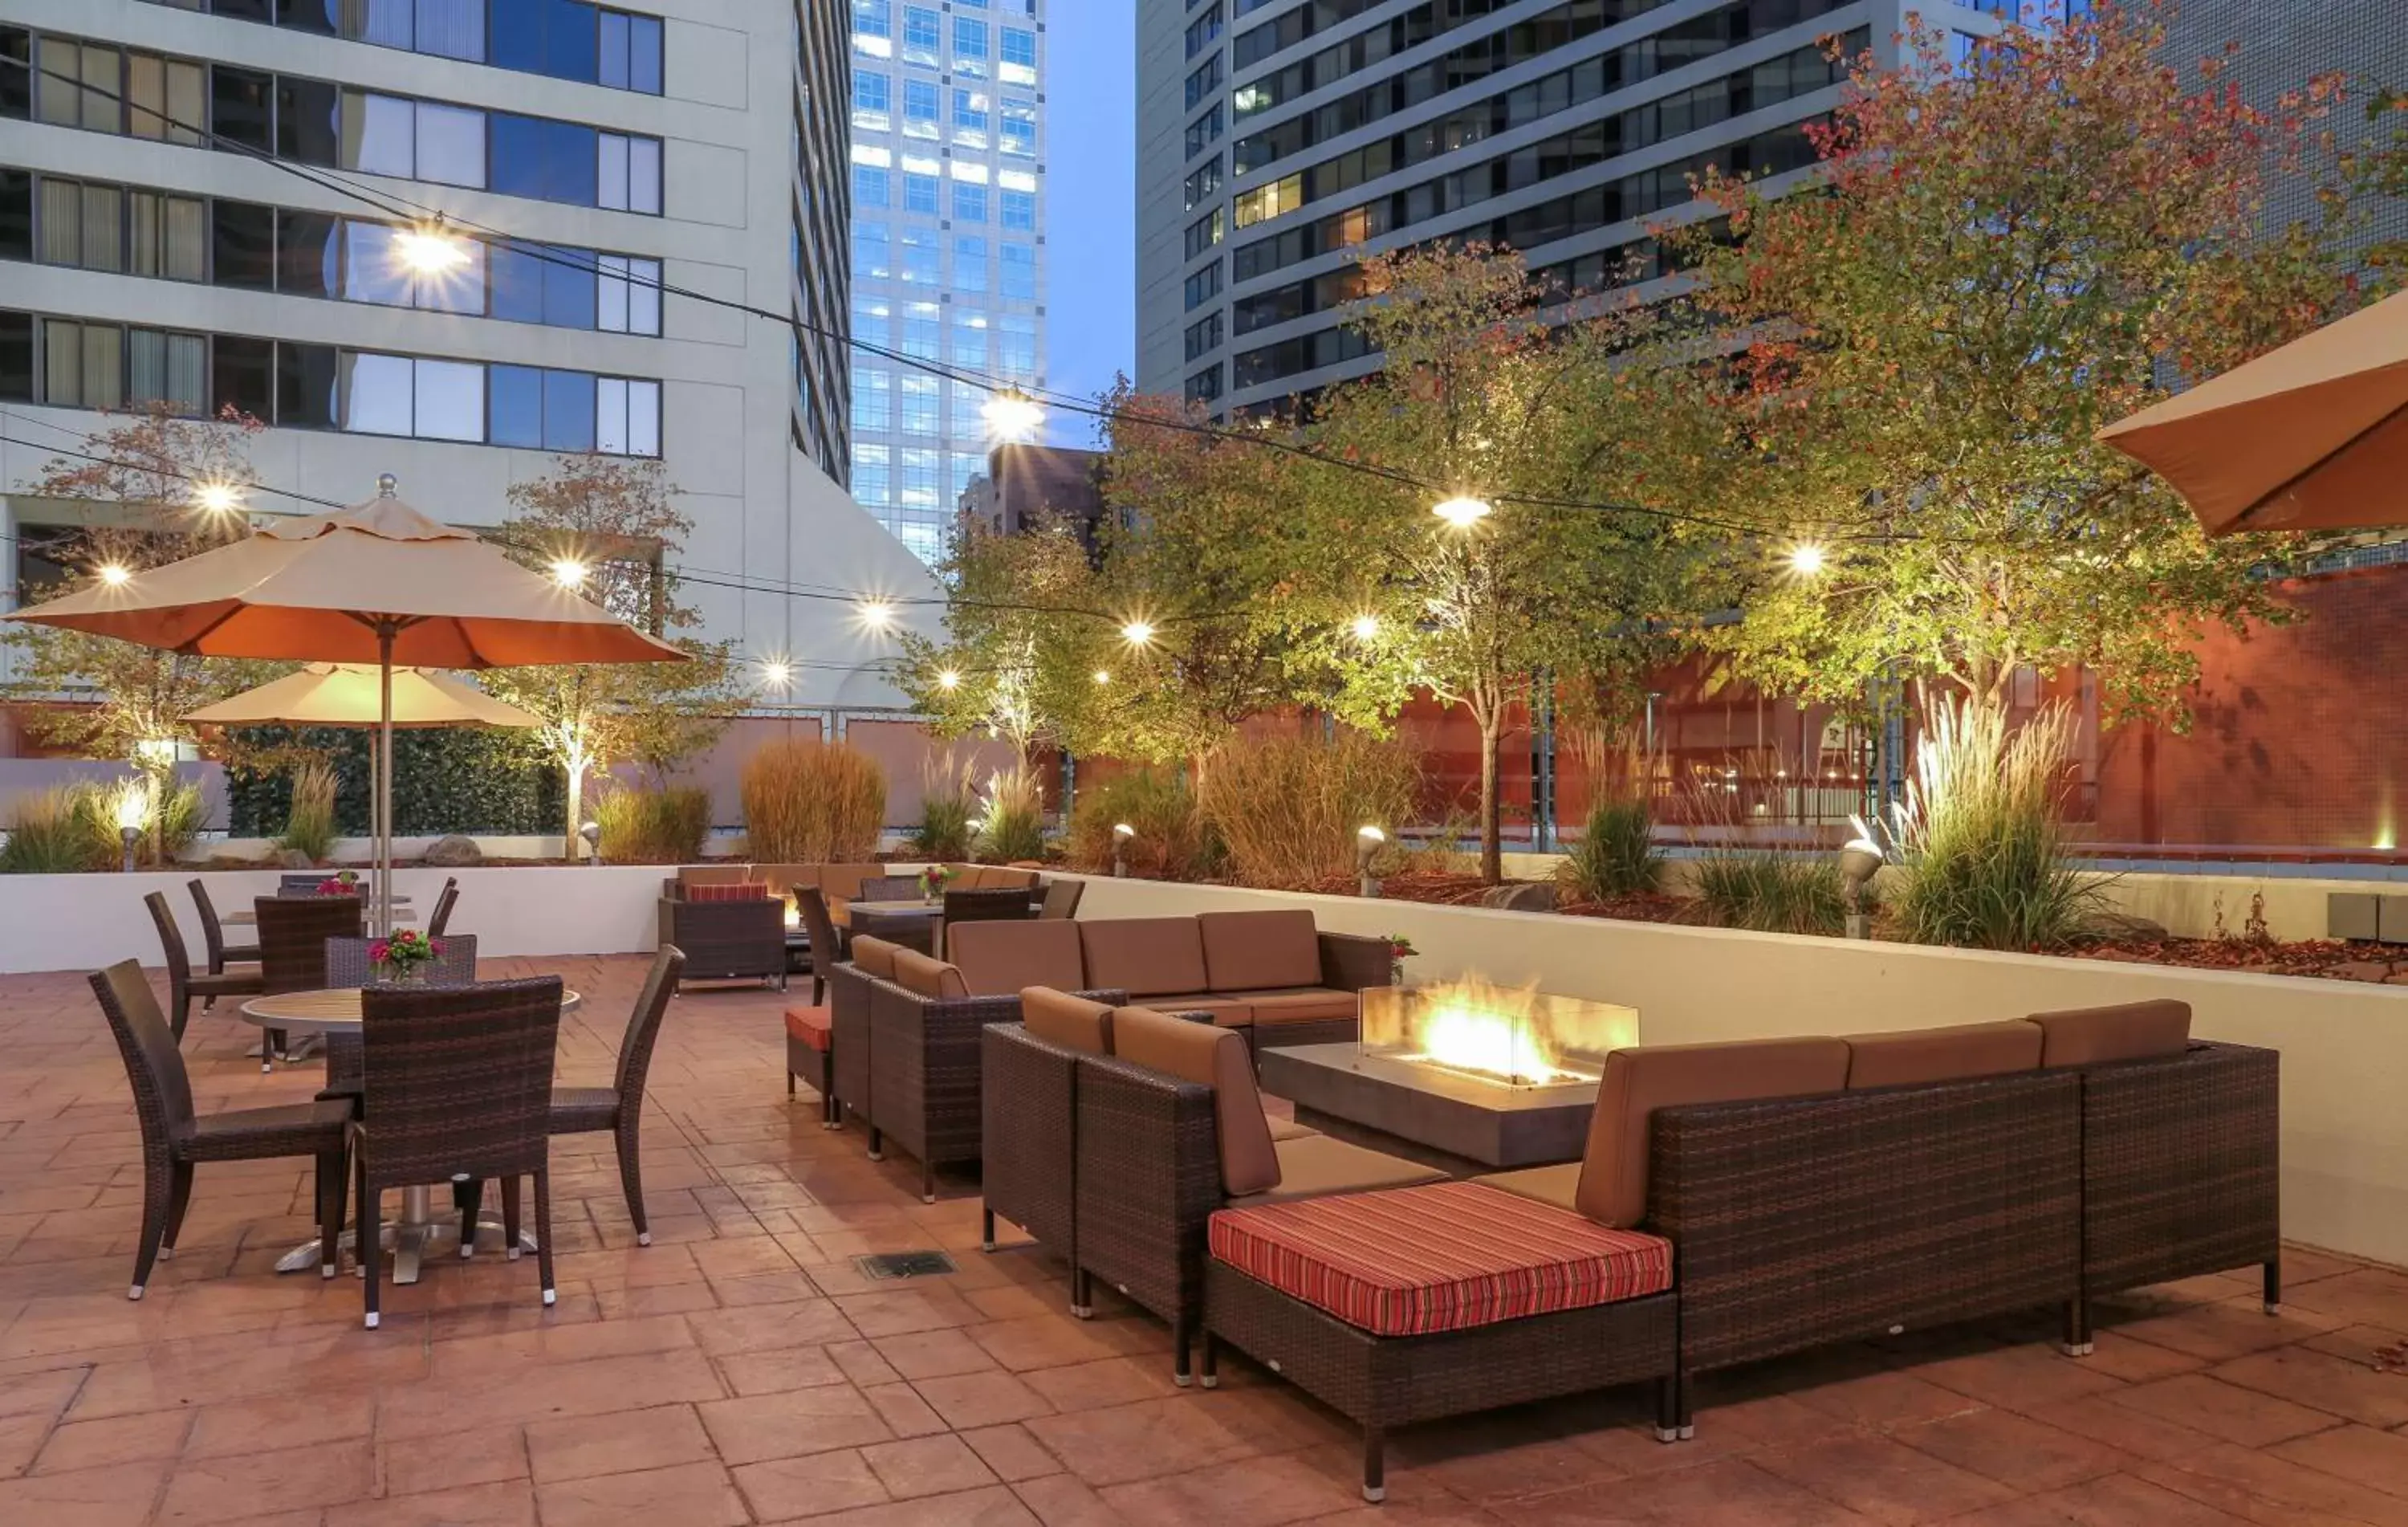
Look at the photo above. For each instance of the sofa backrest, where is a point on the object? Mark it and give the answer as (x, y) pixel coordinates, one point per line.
(916, 972)
(1259, 951)
(1208, 1056)
(713, 875)
(875, 957)
(783, 878)
(1639, 1080)
(1950, 1054)
(842, 881)
(989, 877)
(1074, 1023)
(2085, 1036)
(1144, 956)
(999, 958)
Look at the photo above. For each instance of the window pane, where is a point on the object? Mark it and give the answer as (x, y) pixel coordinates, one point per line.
(306, 376)
(308, 249)
(459, 290)
(569, 39)
(644, 175)
(450, 144)
(145, 367)
(16, 214)
(614, 50)
(452, 28)
(142, 232)
(611, 292)
(611, 416)
(185, 110)
(244, 377)
(517, 278)
(307, 15)
(242, 107)
(59, 100)
(518, 35)
(62, 222)
(308, 121)
(103, 366)
(377, 392)
(387, 23)
(380, 133)
(103, 83)
(242, 240)
(612, 173)
(188, 368)
(567, 411)
(145, 95)
(644, 54)
(62, 361)
(644, 296)
(103, 228)
(450, 401)
(17, 100)
(373, 270)
(184, 240)
(643, 418)
(568, 282)
(515, 399)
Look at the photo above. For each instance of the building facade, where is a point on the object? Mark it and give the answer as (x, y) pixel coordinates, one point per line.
(948, 245)
(155, 245)
(1028, 487)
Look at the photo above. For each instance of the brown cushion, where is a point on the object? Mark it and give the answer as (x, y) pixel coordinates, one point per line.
(2086, 1036)
(782, 878)
(1316, 1165)
(1555, 1184)
(1283, 1127)
(1941, 1055)
(1310, 1005)
(1003, 955)
(1214, 1058)
(875, 957)
(713, 875)
(916, 971)
(1072, 1022)
(728, 890)
(1230, 1013)
(1144, 956)
(1645, 1078)
(1246, 951)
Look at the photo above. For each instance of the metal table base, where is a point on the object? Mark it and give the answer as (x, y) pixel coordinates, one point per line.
(417, 1235)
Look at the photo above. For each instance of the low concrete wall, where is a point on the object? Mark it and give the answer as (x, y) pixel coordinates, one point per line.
(2344, 1046)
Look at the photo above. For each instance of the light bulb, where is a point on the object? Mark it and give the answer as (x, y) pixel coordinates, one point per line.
(1011, 414)
(568, 572)
(949, 680)
(429, 251)
(1462, 511)
(1806, 560)
(1137, 633)
(1103, 676)
(877, 615)
(776, 673)
(1366, 628)
(217, 498)
(116, 574)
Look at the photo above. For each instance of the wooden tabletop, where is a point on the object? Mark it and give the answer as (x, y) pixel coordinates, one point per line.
(327, 1011)
(896, 909)
(401, 914)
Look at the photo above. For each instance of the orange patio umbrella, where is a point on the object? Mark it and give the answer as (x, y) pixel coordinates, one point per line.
(2311, 436)
(378, 584)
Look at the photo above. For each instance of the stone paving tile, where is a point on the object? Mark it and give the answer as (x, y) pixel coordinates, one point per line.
(741, 1370)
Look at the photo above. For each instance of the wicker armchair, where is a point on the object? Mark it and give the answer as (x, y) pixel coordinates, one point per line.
(1062, 900)
(620, 1107)
(183, 984)
(175, 1140)
(214, 936)
(348, 965)
(293, 934)
(444, 902)
(458, 1086)
(726, 941)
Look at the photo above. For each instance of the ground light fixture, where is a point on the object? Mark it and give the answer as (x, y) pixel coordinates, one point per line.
(1013, 416)
(1368, 840)
(592, 833)
(429, 250)
(1122, 833)
(1462, 511)
(1860, 859)
(133, 810)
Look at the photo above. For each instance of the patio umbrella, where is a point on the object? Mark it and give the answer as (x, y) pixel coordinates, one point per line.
(378, 583)
(2311, 436)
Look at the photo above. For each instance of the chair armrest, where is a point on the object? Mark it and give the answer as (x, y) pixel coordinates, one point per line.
(1350, 961)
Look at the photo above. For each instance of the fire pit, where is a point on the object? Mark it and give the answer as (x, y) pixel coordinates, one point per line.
(1466, 1076)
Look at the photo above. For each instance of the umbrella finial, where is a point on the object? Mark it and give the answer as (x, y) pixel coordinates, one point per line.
(388, 486)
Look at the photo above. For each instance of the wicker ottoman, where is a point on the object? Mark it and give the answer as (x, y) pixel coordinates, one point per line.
(1421, 1302)
(811, 1050)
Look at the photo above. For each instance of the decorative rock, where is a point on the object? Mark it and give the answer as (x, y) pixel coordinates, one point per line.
(2129, 927)
(1526, 895)
(452, 851)
(293, 859)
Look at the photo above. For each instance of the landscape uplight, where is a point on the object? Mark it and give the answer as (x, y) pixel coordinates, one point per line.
(1462, 511)
(1011, 414)
(429, 251)
(1122, 833)
(1368, 840)
(1366, 628)
(1860, 859)
(1103, 675)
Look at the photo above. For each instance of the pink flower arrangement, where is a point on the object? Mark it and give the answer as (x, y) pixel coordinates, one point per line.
(404, 950)
(933, 879)
(1400, 947)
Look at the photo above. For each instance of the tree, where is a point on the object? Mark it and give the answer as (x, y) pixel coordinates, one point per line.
(610, 525)
(2002, 257)
(136, 483)
(1483, 398)
(1018, 647)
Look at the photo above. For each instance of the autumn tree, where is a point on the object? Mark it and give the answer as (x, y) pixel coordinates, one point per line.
(2004, 254)
(610, 526)
(1019, 645)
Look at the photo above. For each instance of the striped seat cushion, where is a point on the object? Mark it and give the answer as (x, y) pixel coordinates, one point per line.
(740, 890)
(1412, 1260)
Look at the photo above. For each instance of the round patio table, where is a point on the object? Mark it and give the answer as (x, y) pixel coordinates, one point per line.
(336, 1010)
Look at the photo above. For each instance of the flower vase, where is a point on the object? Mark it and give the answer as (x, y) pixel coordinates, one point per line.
(1397, 973)
(410, 974)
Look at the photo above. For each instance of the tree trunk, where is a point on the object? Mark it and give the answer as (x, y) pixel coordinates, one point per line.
(1492, 856)
(576, 809)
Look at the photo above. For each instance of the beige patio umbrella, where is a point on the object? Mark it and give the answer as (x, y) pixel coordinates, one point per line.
(377, 584)
(2311, 436)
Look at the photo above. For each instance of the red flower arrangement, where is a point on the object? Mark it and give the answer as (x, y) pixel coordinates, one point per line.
(404, 950)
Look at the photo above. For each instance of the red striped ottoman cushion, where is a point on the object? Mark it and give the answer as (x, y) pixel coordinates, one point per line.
(1454, 1255)
(738, 890)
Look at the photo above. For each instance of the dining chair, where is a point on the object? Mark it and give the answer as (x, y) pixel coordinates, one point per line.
(457, 1084)
(1007, 904)
(620, 1106)
(302, 884)
(441, 917)
(213, 934)
(889, 888)
(175, 1139)
(293, 934)
(1062, 900)
(348, 965)
(183, 982)
(828, 948)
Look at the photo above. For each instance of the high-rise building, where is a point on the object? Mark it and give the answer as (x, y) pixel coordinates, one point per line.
(948, 245)
(1035, 487)
(157, 245)
(1277, 135)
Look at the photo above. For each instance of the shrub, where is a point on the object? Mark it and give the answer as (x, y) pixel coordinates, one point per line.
(642, 826)
(1983, 863)
(1170, 839)
(49, 833)
(310, 827)
(1616, 854)
(1773, 893)
(180, 813)
(814, 803)
(1288, 808)
(1452, 849)
(1011, 818)
(948, 805)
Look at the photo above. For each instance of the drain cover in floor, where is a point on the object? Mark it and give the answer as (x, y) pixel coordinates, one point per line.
(888, 1265)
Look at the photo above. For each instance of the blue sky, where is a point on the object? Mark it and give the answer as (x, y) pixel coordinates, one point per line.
(1091, 192)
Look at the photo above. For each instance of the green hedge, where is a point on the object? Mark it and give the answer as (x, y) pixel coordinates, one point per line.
(444, 780)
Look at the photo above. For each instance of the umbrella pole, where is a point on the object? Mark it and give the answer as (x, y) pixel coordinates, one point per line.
(384, 781)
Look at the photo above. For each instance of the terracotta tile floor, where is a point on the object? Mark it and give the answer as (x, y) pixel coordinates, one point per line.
(741, 1370)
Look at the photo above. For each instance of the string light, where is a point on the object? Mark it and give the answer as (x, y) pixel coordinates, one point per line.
(1366, 628)
(776, 673)
(568, 572)
(429, 250)
(1462, 511)
(1806, 560)
(1011, 415)
(876, 614)
(217, 498)
(1137, 633)
(116, 574)
(949, 680)
(1103, 676)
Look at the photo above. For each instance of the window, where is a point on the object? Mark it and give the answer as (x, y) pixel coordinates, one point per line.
(1016, 346)
(920, 330)
(80, 225)
(919, 192)
(1018, 57)
(308, 129)
(872, 321)
(1205, 231)
(422, 140)
(969, 118)
(922, 37)
(446, 28)
(243, 376)
(920, 116)
(631, 52)
(1019, 211)
(917, 478)
(83, 365)
(629, 295)
(920, 257)
(397, 394)
(1205, 385)
(917, 399)
(16, 214)
(969, 265)
(870, 486)
(1203, 182)
(1204, 335)
(242, 246)
(626, 417)
(1204, 31)
(970, 203)
(872, 92)
(872, 397)
(1020, 272)
(305, 385)
(242, 107)
(1203, 286)
(868, 186)
(870, 243)
(630, 173)
(1019, 128)
(548, 161)
(969, 46)
(1204, 131)
(964, 466)
(873, 25)
(970, 345)
(1267, 201)
(163, 98)
(167, 368)
(1204, 80)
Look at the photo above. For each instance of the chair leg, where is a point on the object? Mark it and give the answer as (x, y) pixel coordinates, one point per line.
(1083, 1294)
(543, 1230)
(790, 1081)
(468, 1197)
(819, 990)
(831, 1111)
(511, 1218)
(1207, 1359)
(181, 1000)
(1681, 1396)
(631, 1180)
(927, 1183)
(2274, 1286)
(158, 1192)
(2077, 1327)
(180, 1197)
(1182, 1337)
(877, 1144)
(371, 1253)
(1375, 1465)
(986, 1228)
(1667, 1409)
(331, 1174)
